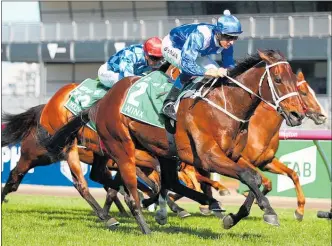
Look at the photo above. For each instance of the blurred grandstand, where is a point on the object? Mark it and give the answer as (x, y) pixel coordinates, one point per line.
(74, 38)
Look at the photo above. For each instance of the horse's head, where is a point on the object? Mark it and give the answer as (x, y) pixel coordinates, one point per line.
(313, 109)
(282, 83)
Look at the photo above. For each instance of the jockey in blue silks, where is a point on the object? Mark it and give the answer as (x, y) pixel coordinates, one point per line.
(132, 60)
(188, 48)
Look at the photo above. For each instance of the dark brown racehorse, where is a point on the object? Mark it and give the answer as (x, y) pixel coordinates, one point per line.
(263, 139)
(205, 135)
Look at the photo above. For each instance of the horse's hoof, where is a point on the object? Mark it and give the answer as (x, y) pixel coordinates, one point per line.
(146, 231)
(161, 219)
(183, 214)
(152, 208)
(219, 214)
(298, 216)
(228, 222)
(112, 223)
(215, 207)
(224, 192)
(205, 211)
(271, 219)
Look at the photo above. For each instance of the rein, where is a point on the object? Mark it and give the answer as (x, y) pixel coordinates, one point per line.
(305, 108)
(275, 96)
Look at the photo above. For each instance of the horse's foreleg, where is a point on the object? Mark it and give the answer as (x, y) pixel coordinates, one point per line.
(171, 181)
(253, 180)
(245, 172)
(171, 198)
(223, 191)
(191, 173)
(279, 168)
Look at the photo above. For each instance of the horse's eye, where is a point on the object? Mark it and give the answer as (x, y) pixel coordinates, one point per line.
(277, 79)
(303, 93)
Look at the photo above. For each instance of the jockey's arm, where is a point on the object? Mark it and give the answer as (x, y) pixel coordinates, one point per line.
(189, 55)
(126, 65)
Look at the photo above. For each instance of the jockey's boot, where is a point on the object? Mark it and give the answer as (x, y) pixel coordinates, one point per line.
(169, 107)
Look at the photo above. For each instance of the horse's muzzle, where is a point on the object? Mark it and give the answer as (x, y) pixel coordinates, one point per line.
(318, 118)
(294, 118)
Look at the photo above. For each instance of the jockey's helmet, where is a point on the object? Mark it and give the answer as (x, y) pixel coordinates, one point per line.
(228, 24)
(152, 47)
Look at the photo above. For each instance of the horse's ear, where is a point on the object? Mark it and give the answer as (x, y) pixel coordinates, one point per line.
(263, 55)
(299, 75)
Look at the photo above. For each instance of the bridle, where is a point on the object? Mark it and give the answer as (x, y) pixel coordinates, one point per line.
(275, 97)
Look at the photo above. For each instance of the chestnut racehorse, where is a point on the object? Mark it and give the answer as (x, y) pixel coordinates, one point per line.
(263, 139)
(205, 132)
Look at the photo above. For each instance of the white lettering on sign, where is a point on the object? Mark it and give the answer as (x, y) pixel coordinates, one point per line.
(53, 49)
(303, 162)
(12, 156)
(65, 170)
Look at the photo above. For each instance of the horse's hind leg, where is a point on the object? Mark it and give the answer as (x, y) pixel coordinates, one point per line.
(112, 197)
(80, 183)
(16, 176)
(279, 168)
(124, 151)
(31, 156)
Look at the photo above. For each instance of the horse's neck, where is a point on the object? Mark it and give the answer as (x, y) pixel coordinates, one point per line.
(238, 101)
(264, 113)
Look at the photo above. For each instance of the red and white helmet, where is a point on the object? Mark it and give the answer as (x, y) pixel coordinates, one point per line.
(152, 47)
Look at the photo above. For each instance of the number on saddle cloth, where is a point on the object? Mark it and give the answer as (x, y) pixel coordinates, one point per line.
(85, 95)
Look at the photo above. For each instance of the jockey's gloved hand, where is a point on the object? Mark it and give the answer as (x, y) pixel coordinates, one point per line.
(212, 72)
(222, 72)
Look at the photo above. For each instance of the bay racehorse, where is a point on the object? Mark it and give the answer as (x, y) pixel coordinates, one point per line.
(259, 144)
(29, 128)
(205, 133)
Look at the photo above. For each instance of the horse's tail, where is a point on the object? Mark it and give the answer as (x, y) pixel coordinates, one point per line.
(67, 134)
(18, 126)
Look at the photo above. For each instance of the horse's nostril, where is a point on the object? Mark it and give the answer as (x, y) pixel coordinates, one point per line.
(296, 115)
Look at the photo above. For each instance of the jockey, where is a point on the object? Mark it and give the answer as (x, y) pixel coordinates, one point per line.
(132, 60)
(188, 48)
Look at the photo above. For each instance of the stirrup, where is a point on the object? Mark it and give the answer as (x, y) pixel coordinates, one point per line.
(168, 110)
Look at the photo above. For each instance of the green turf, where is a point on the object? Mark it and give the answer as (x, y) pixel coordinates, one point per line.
(47, 220)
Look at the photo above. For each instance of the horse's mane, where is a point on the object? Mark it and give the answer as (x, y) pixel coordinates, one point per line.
(252, 60)
(244, 64)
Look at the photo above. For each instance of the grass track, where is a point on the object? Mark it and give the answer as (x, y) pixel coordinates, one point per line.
(47, 220)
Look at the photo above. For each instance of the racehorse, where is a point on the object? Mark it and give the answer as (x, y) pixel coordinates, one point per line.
(263, 140)
(204, 134)
(29, 127)
(23, 127)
